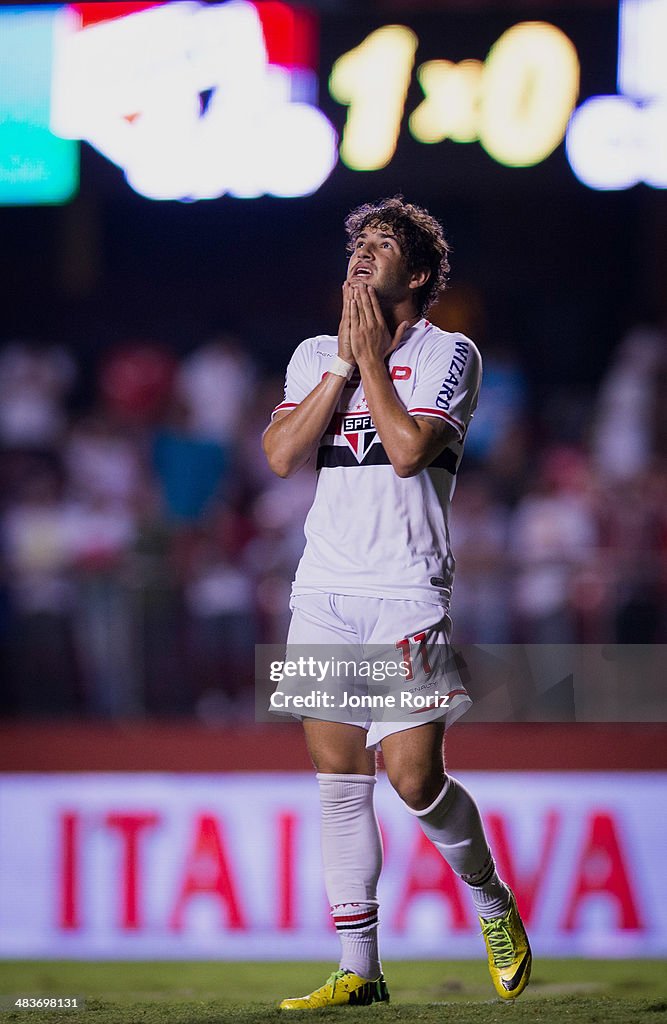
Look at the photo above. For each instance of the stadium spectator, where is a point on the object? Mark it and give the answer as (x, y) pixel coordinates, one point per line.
(39, 538)
(191, 470)
(629, 395)
(552, 536)
(479, 531)
(221, 618)
(34, 380)
(216, 383)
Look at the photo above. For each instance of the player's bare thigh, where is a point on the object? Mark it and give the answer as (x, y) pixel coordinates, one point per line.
(338, 748)
(415, 763)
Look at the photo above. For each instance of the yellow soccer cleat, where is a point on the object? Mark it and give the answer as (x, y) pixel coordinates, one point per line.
(343, 988)
(508, 950)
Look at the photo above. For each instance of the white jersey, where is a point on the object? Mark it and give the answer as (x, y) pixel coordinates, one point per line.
(371, 533)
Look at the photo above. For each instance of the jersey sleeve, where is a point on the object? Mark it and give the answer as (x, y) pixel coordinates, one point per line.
(448, 382)
(299, 380)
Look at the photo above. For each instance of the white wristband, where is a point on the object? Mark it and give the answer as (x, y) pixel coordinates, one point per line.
(341, 368)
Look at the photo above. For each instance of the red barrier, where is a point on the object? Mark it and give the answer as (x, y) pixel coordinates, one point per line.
(158, 746)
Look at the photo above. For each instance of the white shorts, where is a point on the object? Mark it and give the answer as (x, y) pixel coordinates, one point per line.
(402, 653)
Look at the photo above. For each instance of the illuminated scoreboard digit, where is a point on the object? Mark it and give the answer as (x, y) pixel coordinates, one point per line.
(373, 81)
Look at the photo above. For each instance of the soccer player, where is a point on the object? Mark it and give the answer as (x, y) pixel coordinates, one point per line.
(383, 409)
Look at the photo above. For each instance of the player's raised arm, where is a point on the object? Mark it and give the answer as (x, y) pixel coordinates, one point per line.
(411, 443)
(300, 421)
(292, 437)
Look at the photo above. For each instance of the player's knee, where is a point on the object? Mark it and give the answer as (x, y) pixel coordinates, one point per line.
(416, 790)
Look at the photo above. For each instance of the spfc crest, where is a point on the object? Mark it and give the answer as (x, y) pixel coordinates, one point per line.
(359, 431)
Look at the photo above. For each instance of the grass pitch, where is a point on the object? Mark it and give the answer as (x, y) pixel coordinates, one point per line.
(451, 992)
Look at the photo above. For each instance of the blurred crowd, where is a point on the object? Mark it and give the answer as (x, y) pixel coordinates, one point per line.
(146, 546)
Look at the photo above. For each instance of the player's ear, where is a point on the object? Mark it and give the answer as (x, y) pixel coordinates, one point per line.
(419, 278)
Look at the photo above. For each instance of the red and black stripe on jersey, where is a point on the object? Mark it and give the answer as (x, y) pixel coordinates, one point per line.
(330, 456)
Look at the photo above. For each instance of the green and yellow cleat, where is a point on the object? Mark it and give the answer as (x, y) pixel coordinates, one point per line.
(508, 950)
(343, 988)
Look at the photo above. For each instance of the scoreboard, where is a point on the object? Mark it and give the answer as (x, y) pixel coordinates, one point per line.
(195, 101)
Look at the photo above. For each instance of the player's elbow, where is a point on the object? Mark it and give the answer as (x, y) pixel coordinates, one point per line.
(281, 465)
(282, 462)
(284, 471)
(407, 467)
(412, 458)
(411, 461)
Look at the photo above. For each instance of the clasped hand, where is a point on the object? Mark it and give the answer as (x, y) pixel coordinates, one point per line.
(363, 333)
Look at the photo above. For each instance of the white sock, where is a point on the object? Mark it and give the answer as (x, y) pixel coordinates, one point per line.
(352, 855)
(454, 826)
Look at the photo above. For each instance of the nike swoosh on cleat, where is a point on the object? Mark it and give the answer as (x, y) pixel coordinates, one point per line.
(514, 981)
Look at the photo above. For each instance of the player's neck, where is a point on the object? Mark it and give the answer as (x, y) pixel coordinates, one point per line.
(397, 314)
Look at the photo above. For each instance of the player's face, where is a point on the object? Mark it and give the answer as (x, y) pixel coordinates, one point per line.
(377, 260)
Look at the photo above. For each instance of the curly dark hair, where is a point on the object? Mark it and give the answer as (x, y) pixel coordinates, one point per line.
(420, 237)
